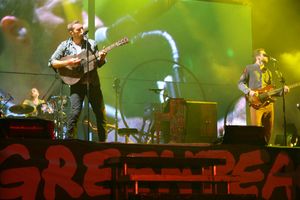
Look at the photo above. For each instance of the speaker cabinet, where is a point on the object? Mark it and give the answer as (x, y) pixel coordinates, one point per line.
(26, 128)
(200, 122)
(252, 135)
(290, 139)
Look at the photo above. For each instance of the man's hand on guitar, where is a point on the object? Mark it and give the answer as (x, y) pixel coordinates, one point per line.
(102, 54)
(253, 93)
(286, 89)
(72, 63)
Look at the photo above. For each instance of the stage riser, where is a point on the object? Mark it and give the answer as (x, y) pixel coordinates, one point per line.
(75, 169)
(191, 197)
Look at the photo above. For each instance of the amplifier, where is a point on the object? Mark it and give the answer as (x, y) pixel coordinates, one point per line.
(200, 122)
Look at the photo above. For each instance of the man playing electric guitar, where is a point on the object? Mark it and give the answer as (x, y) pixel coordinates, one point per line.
(255, 81)
(70, 49)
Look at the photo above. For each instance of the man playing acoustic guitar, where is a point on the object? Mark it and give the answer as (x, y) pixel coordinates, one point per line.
(256, 82)
(80, 74)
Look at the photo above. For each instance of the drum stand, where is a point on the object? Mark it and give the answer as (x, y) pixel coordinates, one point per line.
(3, 101)
(59, 115)
(60, 120)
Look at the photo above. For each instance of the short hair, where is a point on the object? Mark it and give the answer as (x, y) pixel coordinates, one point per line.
(257, 51)
(70, 25)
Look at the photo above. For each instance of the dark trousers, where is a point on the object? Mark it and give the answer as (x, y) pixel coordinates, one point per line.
(77, 95)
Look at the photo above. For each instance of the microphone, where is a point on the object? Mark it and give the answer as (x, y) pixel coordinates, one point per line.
(85, 32)
(273, 59)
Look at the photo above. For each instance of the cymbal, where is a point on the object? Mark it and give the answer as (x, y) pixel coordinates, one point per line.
(21, 109)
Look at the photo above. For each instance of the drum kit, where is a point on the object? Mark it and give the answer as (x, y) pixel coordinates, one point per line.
(54, 109)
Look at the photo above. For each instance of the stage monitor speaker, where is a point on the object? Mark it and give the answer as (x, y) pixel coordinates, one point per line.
(200, 122)
(26, 128)
(290, 139)
(252, 135)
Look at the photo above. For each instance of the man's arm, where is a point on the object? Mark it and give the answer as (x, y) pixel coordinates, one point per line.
(243, 82)
(56, 62)
(69, 63)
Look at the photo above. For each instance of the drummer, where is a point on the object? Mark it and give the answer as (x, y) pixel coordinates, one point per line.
(34, 101)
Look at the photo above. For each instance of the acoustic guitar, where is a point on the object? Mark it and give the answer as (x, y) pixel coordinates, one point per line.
(72, 75)
(265, 95)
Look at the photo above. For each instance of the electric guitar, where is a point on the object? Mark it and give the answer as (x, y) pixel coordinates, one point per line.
(265, 95)
(72, 75)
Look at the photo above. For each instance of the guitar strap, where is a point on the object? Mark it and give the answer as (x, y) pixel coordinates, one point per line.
(268, 80)
(271, 77)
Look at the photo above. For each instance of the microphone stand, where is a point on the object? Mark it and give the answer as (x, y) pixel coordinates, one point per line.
(116, 86)
(282, 80)
(88, 83)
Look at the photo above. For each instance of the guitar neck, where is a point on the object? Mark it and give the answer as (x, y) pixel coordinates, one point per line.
(107, 49)
(110, 47)
(273, 92)
(294, 85)
(116, 44)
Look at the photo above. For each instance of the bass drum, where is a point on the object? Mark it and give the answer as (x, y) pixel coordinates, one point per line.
(45, 111)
